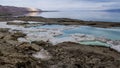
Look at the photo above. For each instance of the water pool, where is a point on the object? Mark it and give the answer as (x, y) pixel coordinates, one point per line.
(109, 33)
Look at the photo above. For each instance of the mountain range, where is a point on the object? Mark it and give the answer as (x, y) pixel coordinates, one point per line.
(12, 10)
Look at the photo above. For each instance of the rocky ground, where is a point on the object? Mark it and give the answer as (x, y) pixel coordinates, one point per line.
(38, 54)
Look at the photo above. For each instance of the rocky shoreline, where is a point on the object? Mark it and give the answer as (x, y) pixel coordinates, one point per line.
(39, 54)
(63, 21)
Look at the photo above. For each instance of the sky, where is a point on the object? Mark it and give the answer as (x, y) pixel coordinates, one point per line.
(64, 4)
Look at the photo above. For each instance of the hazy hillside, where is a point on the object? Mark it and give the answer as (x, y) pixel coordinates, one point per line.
(11, 10)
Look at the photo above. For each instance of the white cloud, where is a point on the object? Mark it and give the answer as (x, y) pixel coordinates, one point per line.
(64, 4)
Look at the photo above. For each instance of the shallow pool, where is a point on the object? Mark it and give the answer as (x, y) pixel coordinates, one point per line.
(113, 34)
(109, 33)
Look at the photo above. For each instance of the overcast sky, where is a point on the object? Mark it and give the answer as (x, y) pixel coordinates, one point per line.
(64, 4)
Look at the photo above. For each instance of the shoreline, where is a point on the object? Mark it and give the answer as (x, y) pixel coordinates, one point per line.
(63, 21)
(39, 54)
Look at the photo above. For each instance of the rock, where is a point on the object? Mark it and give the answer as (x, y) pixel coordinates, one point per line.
(4, 29)
(72, 55)
(93, 61)
(27, 64)
(20, 56)
(2, 41)
(1, 36)
(42, 43)
(24, 45)
(8, 37)
(35, 47)
(1, 54)
(17, 22)
(13, 36)
(18, 34)
(12, 42)
(39, 42)
(27, 46)
(67, 66)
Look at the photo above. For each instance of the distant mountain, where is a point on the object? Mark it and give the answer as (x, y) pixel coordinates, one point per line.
(113, 10)
(11, 10)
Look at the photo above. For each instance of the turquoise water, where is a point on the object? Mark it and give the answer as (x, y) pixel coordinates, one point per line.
(92, 43)
(50, 26)
(109, 33)
(113, 34)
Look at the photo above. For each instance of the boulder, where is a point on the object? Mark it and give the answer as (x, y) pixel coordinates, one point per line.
(36, 47)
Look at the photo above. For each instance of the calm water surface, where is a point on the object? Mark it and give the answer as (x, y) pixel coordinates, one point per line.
(99, 32)
(86, 15)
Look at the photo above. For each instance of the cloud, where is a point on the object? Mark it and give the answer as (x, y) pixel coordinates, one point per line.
(65, 4)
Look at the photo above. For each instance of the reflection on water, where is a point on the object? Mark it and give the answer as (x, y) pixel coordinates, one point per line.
(33, 14)
(82, 15)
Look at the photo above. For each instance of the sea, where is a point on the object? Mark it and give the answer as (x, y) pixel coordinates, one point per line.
(86, 15)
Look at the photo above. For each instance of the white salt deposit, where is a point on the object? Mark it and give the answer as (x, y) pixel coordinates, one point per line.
(43, 55)
(116, 47)
(82, 37)
(30, 22)
(17, 21)
(49, 35)
(4, 25)
(39, 36)
(23, 40)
